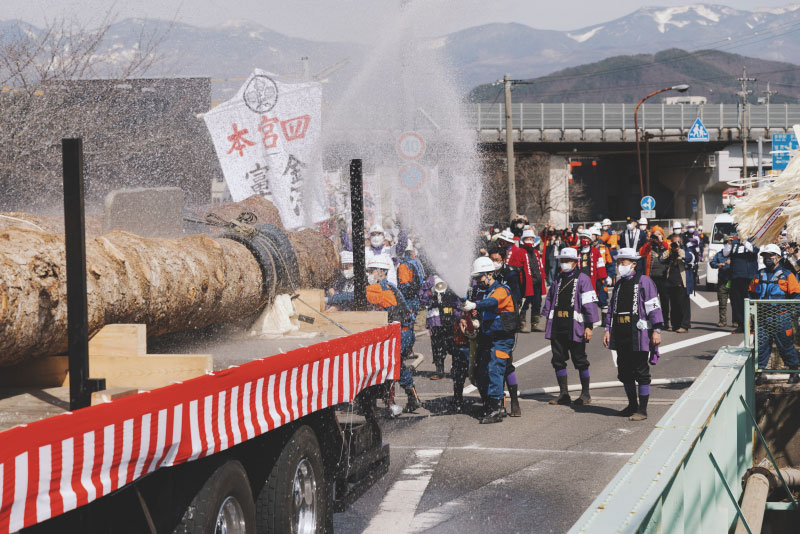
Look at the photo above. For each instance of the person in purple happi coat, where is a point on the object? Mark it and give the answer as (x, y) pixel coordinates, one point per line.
(633, 329)
(571, 310)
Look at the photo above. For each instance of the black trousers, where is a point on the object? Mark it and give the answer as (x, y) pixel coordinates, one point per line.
(533, 303)
(737, 295)
(663, 297)
(633, 366)
(442, 344)
(564, 349)
(680, 308)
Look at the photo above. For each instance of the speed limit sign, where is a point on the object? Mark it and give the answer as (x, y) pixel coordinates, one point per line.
(410, 145)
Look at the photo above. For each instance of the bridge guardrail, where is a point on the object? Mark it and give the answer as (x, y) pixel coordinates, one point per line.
(772, 326)
(661, 117)
(686, 477)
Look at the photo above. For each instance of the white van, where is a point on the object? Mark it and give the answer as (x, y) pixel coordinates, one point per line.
(723, 226)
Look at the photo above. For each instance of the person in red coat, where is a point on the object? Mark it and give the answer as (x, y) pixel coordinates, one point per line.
(530, 244)
(591, 262)
(517, 263)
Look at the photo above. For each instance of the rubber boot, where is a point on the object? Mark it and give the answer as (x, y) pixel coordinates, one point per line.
(523, 326)
(794, 378)
(494, 415)
(585, 397)
(563, 397)
(535, 324)
(633, 403)
(458, 398)
(413, 401)
(641, 413)
(515, 411)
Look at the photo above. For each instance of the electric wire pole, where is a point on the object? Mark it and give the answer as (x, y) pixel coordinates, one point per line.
(512, 184)
(743, 80)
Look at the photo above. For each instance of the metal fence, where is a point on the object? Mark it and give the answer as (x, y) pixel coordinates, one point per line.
(686, 476)
(620, 116)
(773, 330)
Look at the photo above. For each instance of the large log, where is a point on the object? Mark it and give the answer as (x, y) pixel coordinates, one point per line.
(169, 285)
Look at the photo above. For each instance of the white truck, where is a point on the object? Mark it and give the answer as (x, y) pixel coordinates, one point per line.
(723, 226)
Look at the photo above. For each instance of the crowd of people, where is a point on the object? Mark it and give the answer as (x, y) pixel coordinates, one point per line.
(635, 283)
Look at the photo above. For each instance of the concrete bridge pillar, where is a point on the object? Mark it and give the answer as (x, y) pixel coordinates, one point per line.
(559, 202)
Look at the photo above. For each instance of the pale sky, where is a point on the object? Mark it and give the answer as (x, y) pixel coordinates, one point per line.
(329, 19)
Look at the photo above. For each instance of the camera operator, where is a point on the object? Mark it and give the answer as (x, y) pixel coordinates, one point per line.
(679, 282)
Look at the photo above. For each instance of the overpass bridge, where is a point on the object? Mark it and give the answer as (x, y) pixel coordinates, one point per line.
(599, 123)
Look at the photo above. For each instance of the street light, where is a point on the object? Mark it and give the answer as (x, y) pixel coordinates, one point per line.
(681, 88)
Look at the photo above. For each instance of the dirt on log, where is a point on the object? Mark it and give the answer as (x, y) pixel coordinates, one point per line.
(170, 285)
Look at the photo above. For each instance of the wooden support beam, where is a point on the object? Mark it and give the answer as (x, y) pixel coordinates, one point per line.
(120, 340)
(354, 321)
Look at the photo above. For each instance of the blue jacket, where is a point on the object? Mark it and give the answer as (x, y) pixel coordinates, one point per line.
(778, 284)
(718, 262)
(497, 302)
(744, 263)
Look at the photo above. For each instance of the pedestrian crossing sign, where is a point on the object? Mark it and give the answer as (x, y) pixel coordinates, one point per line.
(698, 132)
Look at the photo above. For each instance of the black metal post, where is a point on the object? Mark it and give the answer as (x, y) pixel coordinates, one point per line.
(80, 385)
(357, 212)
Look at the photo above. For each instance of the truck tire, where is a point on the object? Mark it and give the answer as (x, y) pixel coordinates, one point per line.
(293, 499)
(223, 505)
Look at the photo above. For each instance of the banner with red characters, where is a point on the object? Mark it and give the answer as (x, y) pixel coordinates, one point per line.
(267, 139)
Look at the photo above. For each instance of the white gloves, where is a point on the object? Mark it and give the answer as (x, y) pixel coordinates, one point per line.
(748, 246)
(609, 281)
(468, 305)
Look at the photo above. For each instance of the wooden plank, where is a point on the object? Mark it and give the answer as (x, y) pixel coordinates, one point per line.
(110, 394)
(120, 340)
(150, 371)
(312, 298)
(353, 321)
(50, 371)
(25, 405)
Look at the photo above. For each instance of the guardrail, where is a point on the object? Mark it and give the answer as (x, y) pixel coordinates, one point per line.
(686, 477)
(652, 117)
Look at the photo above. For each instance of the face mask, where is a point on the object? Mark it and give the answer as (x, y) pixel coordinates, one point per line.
(624, 270)
(726, 250)
(769, 262)
(520, 225)
(497, 265)
(606, 227)
(642, 227)
(527, 244)
(483, 282)
(372, 279)
(376, 240)
(566, 266)
(631, 226)
(348, 273)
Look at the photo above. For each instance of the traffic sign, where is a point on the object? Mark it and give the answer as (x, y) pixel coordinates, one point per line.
(410, 145)
(648, 203)
(782, 145)
(648, 214)
(698, 132)
(412, 175)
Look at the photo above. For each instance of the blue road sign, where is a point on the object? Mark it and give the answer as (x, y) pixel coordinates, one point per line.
(648, 203)
(782, 144)
(698, 132)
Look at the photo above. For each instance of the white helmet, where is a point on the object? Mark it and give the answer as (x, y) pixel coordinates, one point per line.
(482, 265)
(528, 233)
(690, 224)
(381, 261)
(606, 222)
(377, 228)
(596, 231)
(506, 235)
(770, 249)
(627, 254)
(585, 233)
(346, 256)
(642, 221)
(677, 225)
(568, 253)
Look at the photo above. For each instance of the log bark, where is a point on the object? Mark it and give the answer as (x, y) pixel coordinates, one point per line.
(169, 285)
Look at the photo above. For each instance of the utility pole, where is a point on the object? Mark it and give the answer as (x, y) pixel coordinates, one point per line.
(745, 91)
(512, 184)
(769, 93)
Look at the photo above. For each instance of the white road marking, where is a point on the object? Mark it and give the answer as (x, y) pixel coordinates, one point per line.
(523, 361)
(397, 510)
(702, 302)
(518, 450)
(701, 276)
(692, 341)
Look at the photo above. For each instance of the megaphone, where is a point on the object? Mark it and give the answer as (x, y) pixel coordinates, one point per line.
(440, 286)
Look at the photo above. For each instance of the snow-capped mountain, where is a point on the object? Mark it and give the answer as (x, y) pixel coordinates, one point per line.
(479, 54)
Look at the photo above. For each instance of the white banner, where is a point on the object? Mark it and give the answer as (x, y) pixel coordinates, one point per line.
(267, 139)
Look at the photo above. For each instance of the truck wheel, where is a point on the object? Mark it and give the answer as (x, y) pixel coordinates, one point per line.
(224, 505)
(293, 498)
